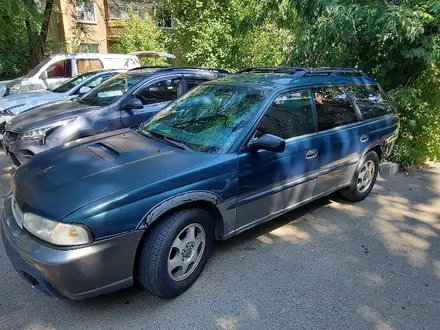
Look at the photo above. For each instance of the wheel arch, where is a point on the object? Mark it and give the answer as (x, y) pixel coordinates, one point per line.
(377, 149)
(196, 199)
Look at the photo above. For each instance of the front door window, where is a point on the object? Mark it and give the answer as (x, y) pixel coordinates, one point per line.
(60, 69)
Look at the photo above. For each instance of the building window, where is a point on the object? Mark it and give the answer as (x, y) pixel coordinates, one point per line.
(117, 11)
(89, 48)
(85, 11)
(163, 18)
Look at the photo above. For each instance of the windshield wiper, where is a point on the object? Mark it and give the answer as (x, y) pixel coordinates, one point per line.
(158, 136)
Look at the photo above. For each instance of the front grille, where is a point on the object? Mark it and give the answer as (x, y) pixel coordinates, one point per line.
(16, 212)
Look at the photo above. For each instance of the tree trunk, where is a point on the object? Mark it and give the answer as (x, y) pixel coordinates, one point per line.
(37, 41)
(45, 26)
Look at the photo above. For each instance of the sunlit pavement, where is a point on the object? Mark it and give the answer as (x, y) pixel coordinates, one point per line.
(329, 265)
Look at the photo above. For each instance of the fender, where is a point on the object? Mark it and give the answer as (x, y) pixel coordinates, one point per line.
(175, 201)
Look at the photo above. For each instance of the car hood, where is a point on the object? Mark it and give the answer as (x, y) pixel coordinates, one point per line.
(16, 102)
(47, 114)
(58, 182)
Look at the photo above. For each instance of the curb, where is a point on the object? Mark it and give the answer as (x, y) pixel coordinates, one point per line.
(388, 169)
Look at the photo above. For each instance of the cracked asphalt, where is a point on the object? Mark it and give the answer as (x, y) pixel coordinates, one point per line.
(328, 265)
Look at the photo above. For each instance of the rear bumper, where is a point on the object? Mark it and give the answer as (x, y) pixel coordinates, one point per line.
(81, 273)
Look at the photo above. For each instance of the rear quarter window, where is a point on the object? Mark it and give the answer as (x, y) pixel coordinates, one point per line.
(370, 100)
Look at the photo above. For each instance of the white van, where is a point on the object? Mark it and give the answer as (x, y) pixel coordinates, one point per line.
(56, 69)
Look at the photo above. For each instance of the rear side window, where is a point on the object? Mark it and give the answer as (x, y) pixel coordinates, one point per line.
(290, 115)
(370, 101)
(333, 108)
(86, 65)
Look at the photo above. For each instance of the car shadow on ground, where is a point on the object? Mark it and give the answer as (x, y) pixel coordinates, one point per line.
(329, 264)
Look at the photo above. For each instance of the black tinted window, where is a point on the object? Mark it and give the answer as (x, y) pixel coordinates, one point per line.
(290, 115)
(333, 108)
(162, 91)
(370, 101)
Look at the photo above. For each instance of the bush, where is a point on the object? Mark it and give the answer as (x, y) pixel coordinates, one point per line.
(418, 107)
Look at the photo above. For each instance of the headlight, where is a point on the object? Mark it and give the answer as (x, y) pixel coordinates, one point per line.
(14, 89)
(56, 233)
(40, 133)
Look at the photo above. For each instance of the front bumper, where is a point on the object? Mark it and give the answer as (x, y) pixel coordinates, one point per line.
(102, 267)
(19, 151)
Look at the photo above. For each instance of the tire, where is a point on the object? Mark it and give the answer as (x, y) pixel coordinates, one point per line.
(168, 241)
(356, 193)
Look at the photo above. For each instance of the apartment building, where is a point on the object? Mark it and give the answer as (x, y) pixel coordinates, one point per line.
(95, 25)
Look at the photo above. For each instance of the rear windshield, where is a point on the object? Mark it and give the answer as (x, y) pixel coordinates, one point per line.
(370, 100)
(71, 83)
(110, 91)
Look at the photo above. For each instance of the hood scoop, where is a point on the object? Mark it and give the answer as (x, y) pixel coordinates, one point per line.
(105, 151)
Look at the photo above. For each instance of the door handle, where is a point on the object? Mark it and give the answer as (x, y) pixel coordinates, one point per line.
(311, 154)
(364, 138)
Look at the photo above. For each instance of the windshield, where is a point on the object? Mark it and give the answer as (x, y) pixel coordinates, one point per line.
(209, 118)
(71, 83)
(111, 90)
(35, 70)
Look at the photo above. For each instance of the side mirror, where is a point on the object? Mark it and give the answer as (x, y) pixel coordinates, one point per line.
(44, 75)
(267, 142)
(132, 103)
(84, 90)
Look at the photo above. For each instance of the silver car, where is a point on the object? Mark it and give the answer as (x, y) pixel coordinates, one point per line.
(17, 103)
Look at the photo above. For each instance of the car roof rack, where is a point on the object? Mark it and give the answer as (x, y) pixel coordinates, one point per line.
(300, 71)
(148, 67)
(272, 69)
(172, 68)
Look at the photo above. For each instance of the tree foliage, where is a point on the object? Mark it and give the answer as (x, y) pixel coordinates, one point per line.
(138, 34)
(24, 26)
(396, 42)
(225, 34)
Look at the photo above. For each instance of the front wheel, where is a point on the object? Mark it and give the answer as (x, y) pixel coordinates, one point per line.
(175, 251)
(364, 178)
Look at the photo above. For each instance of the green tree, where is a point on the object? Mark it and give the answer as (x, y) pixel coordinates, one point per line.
(396, 42)
(24, 27)
(226, 34)
(137, 35)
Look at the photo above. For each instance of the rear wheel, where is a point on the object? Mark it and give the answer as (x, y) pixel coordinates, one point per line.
(364, 178)
(175, 251)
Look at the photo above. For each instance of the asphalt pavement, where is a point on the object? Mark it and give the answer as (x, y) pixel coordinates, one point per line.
(328, 265)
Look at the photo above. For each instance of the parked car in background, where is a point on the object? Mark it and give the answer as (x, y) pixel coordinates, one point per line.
(58, 68)
(122, 101)
(146, 204)
(79, 85)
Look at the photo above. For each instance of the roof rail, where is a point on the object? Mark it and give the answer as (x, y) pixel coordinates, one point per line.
(334, 71)
(300, 71)
(148, 67)
(272, 69)
(171, 68)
